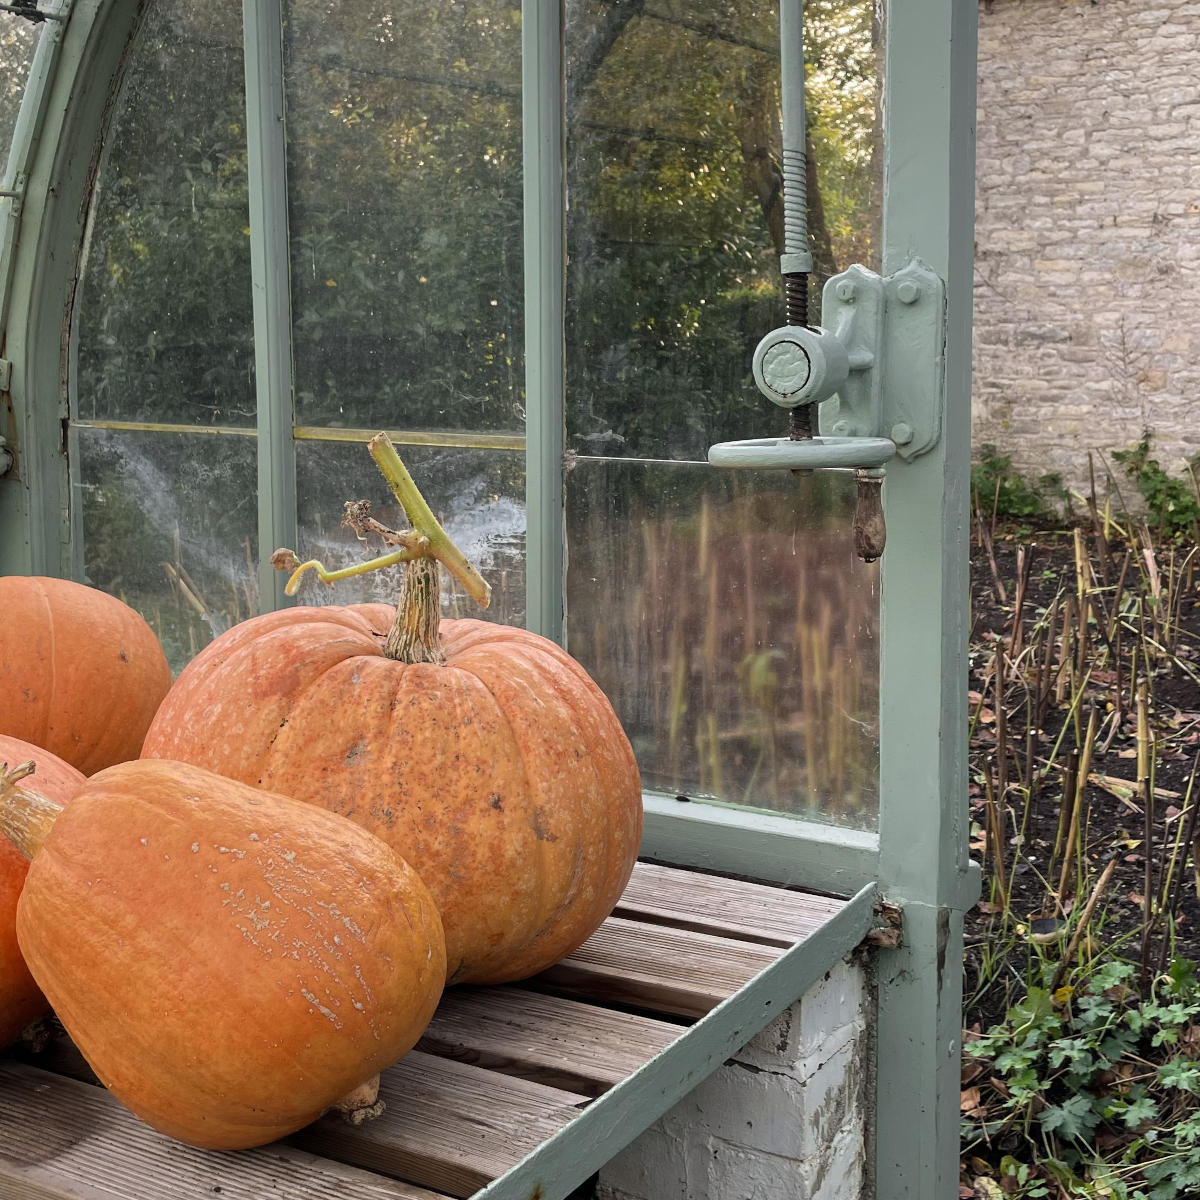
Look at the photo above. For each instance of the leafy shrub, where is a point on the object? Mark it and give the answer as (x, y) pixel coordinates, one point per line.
(1172, 505)
(1006, 494)
(1094, 1092)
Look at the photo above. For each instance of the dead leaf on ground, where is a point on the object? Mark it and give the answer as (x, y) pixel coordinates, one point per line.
(969, 1103)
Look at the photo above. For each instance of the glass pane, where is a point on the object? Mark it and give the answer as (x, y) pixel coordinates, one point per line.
(675, 214)
(18, 38)
(726, 616)
(164, 313)
(404, 165)
(169, 524)
(478, 495)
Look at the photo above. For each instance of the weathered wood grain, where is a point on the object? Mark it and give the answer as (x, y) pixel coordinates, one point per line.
(65, 1140)
(446, 1125)
(751, 912)
(657, 968)
(555, 1041)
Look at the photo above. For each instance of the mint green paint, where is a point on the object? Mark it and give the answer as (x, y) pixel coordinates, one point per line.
(266, 151)
(763, 845)
(59, 128)
(929, 110)
(611, 1122)
(544, 201)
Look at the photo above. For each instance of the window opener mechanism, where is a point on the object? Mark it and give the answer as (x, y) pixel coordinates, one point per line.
(873, 368)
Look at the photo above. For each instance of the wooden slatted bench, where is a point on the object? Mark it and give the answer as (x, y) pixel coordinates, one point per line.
(514, 1093)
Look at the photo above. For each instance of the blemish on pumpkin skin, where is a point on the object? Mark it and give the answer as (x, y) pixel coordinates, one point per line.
(495, 802)
(540, 830)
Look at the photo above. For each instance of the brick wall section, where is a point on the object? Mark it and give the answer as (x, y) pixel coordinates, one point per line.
(1087, 293)
(785, 1119)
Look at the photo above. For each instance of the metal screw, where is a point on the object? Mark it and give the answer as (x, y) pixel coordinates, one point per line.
(842, 429)
(908, 292)
(902, 434)
(845, 290)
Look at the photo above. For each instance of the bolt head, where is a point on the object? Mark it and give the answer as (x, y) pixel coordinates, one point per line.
(902, 434)
(841, 429)
(845, 290)
(907, 292)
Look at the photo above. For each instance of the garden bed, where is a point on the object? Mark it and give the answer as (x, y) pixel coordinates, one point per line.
(1085, 732)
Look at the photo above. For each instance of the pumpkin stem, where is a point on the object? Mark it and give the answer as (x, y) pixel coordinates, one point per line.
(414, 636)
(427, 540)
(362, 1104)
(421, 517)
(25, 816)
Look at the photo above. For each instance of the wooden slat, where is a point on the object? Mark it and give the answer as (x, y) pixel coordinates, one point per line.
(657, 968)
(65, 1140)
(554, 1041)
(752, 912)
(447, 1125)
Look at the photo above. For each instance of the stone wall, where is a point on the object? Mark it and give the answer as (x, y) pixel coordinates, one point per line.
(787, 1118)
(1087, 293)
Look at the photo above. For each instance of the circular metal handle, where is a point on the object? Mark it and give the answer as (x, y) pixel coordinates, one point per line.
(805, 454)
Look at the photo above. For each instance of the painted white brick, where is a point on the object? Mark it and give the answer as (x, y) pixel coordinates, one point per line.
(786, 1119)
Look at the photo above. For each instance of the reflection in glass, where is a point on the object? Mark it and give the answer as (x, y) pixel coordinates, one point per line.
(404, 166)
(18, 38)
(675, 213)
(169, 524)
(477, 495)
(164, 311)
(726, 616)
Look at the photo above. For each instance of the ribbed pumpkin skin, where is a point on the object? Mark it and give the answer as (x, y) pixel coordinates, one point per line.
(21, 1000)
(504, 777)
(230, 962)
(81, 673)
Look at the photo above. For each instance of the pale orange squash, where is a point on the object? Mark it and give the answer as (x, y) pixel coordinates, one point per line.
(229, 961)
(81, 673)
(21, 1000)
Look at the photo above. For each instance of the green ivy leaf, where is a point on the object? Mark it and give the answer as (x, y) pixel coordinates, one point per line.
(1075, 1118)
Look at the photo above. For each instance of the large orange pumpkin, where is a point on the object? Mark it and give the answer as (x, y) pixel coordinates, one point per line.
(81, 673)
(502, 775)
(21, 1000)
(229, 961)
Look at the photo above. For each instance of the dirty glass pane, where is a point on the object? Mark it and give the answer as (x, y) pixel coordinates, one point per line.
(478, 495)
(18, 38)
(169, 524)
(675, 209)
(164, 309)
(726, 616)
(404, 169)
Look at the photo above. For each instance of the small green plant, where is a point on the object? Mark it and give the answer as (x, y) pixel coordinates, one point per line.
(1095, 1091)
(1003, 493)
(1173, 505)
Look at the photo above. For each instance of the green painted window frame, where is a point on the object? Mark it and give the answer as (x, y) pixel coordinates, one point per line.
(91, 48)
(69, 93)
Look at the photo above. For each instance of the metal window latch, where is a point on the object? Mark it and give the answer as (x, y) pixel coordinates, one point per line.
(874, 370)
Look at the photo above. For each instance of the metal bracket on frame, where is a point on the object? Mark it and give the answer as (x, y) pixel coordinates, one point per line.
(894, 332)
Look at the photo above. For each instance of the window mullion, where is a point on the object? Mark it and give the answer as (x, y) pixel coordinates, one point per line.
(266, 148)
(544, 255)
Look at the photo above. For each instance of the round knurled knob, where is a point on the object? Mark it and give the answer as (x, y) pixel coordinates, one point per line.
(797, 365)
